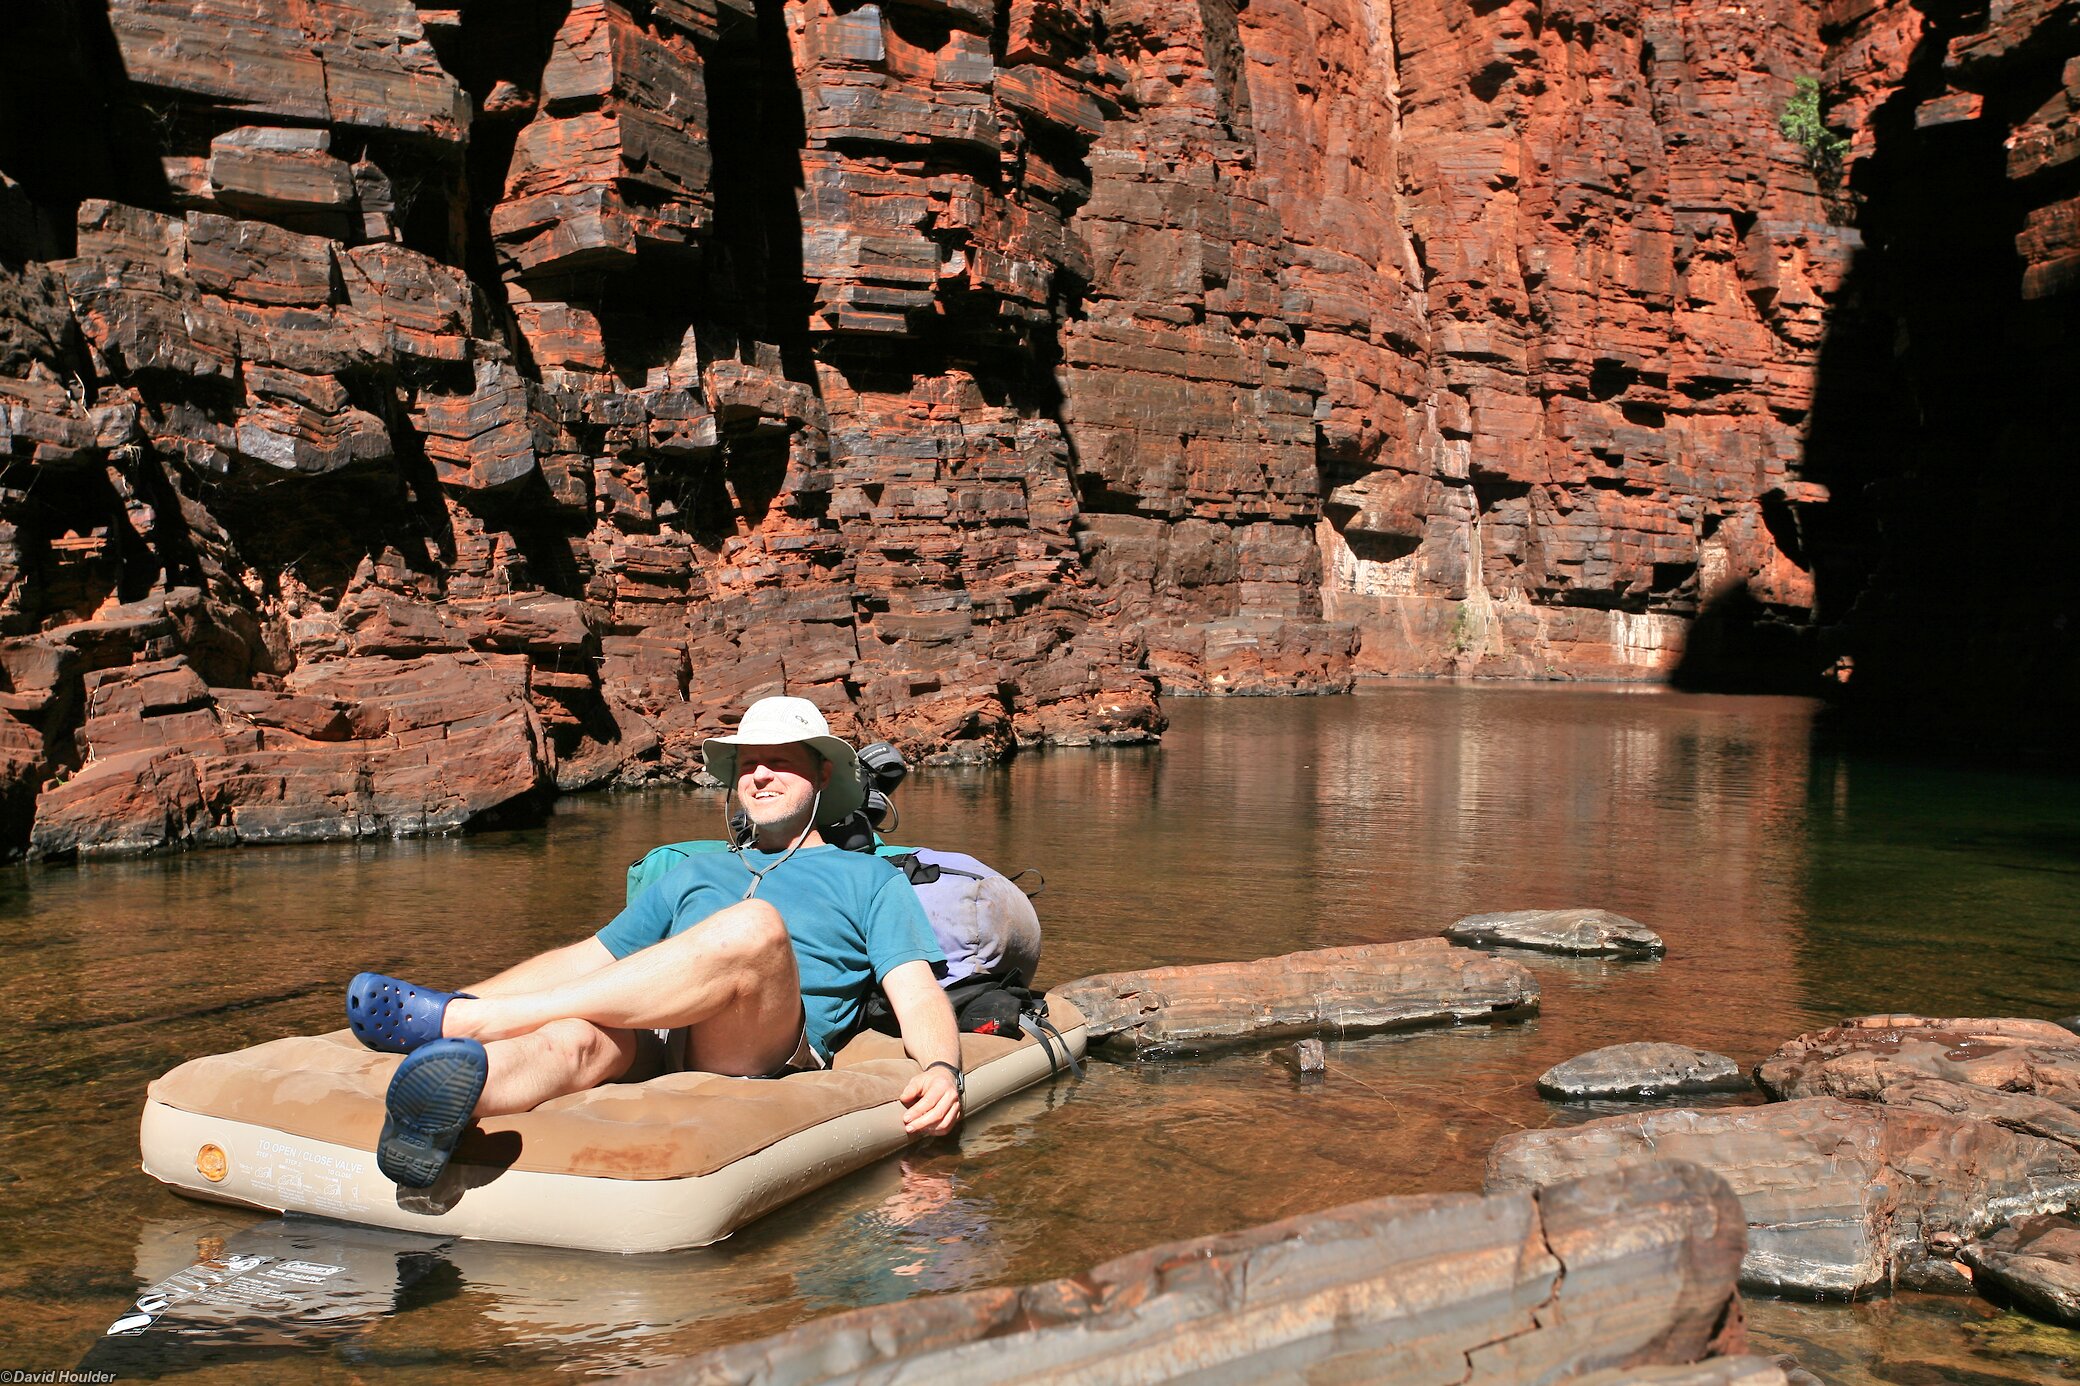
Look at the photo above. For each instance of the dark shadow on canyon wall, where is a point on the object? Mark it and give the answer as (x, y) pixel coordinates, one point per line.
(756, 136)
(62, 135)
(1738, 644)
(1944, 423)
(494, 44)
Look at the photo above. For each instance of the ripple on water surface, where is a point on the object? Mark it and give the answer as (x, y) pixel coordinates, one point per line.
(1793, 888)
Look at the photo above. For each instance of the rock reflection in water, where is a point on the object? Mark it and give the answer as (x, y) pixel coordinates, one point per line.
(1791, 891)
(1915, 1340)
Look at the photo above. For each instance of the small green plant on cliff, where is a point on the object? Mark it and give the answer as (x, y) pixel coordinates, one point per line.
(1467, 631)
(1800, 123)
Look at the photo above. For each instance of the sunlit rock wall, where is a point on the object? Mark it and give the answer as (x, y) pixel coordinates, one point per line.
(409, 410)
(1605, 274)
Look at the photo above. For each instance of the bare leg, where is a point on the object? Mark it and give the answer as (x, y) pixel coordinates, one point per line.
(730, 979)
(564, 1056)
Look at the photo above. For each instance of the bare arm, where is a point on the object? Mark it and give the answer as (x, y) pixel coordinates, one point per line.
(931, 1036)
(545, 970)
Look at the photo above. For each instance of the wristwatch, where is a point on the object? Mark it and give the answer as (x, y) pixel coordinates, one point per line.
(960, 1079)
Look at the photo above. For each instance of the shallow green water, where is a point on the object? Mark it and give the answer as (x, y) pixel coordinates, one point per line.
(1793, 888)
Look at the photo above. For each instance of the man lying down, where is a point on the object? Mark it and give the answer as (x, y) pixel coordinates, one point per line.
(752, 962)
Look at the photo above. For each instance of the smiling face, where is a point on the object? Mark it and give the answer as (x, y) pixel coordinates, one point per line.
(777, 786)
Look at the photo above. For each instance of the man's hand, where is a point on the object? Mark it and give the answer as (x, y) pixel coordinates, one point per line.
(931, 1103)
(931, 1100)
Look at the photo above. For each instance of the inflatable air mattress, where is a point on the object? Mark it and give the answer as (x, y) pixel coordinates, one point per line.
(679, 1161)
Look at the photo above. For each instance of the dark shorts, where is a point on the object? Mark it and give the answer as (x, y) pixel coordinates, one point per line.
(659, 1052)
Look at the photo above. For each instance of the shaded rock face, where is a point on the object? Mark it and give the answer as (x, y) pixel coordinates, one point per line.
(1608, 1278)
(502, 331)
(977, 371)
(1374, 986)
(1841, 1198)
(2036, 1264)
(1642, 1070)
(1945, 383)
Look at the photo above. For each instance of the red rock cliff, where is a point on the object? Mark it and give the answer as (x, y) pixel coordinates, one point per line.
(408, 410)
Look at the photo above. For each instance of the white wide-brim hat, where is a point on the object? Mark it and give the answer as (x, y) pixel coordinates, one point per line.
(781, 722)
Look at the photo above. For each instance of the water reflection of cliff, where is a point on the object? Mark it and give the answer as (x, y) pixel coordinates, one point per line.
(1319, 822)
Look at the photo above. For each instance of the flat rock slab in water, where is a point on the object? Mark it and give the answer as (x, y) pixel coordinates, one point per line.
(1838, 1195)
(1305, 1058)
(1374, 986)
(2034, 1265)
(1578, 932)
(1619, 1272)
(1643, 1070)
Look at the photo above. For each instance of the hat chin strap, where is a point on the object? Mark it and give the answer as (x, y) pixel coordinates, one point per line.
(758, 877)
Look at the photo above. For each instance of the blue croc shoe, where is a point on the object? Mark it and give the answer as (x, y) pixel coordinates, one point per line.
(395, 1017)
(430, 1104)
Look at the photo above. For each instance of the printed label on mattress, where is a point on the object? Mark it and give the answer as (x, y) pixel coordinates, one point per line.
(299, 1177)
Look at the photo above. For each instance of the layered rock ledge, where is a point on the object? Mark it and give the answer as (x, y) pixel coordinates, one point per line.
(1841, 1198)
(1607, 1278)
(1867, 1056)
(2016, 1073)
(1330, 991)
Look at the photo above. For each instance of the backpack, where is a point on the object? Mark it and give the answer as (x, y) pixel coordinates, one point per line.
(985, 924)
(654, 863)
(990, 934)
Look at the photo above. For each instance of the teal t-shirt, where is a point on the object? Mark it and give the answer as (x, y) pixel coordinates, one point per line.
(852, 918)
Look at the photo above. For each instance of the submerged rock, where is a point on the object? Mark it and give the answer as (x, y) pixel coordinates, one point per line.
(1839, 1196)
(1642, 1070)
(2034, 1265)
(1306, 1059)
(1720, 1371)
(1578, 932)
(1608, 1278)
(1374, 986)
